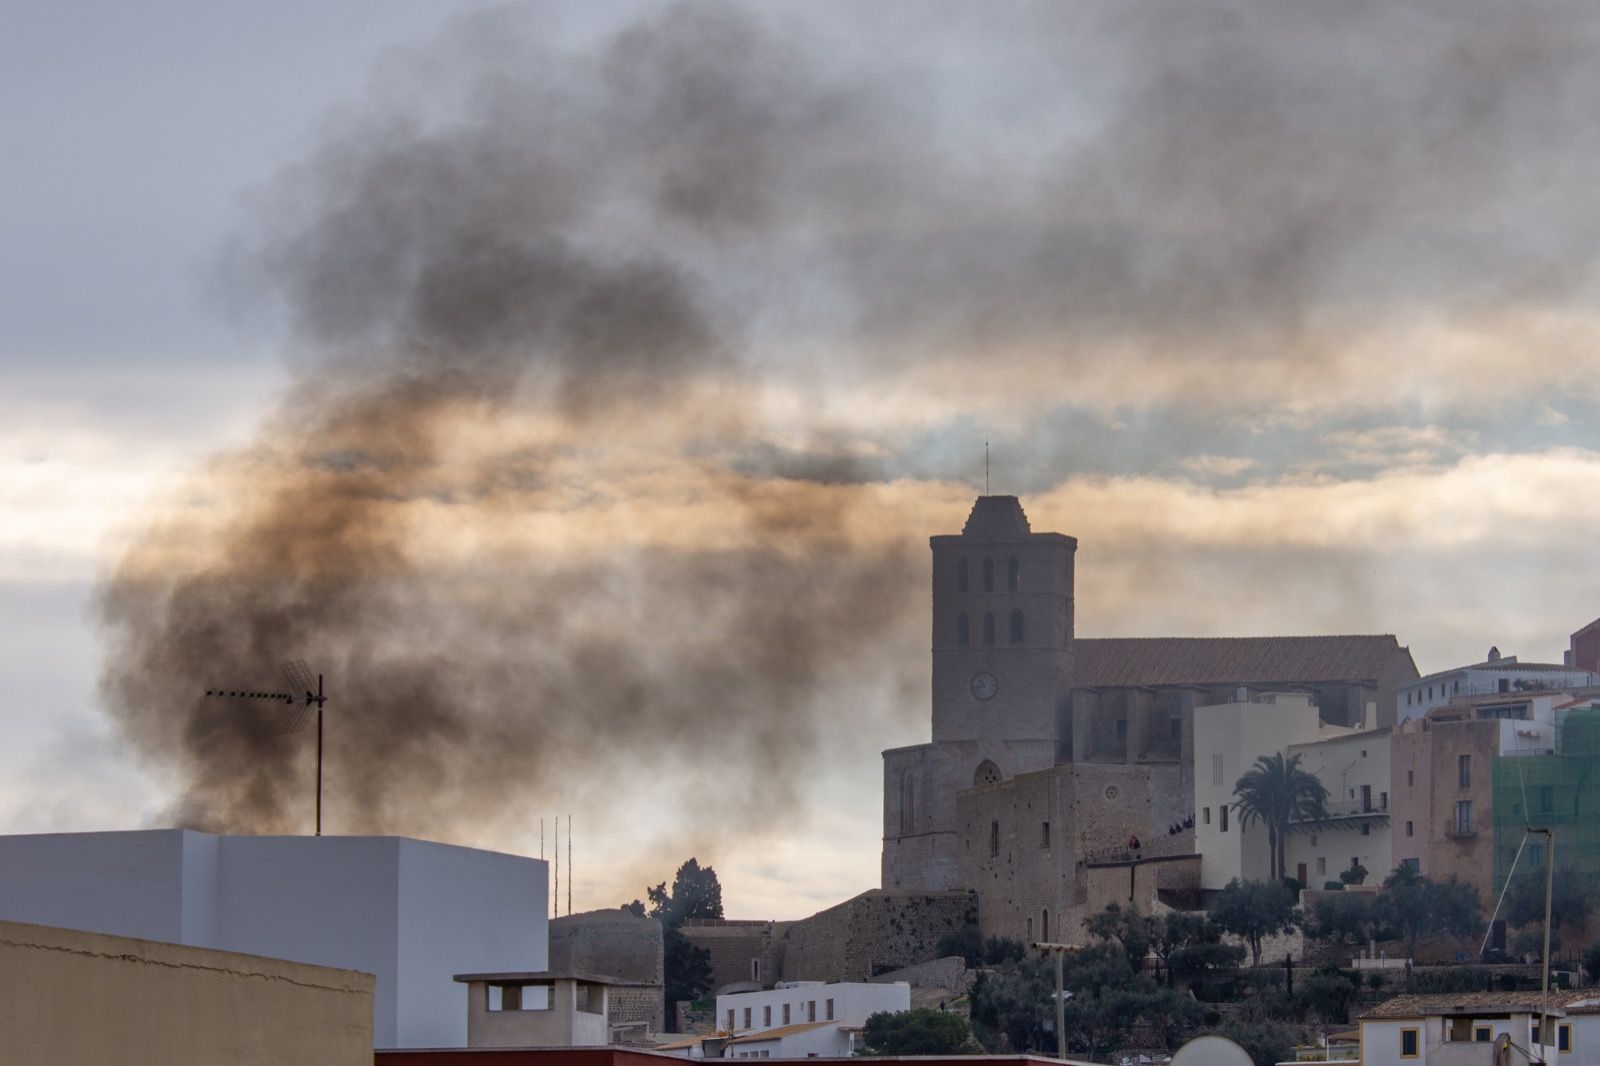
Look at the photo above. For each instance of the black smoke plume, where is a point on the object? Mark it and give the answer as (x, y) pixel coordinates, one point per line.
(470, 331)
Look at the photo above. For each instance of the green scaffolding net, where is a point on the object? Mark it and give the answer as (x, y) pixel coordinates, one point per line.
(1558, 790)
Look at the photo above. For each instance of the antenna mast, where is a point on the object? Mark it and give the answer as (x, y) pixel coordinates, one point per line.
(986, 468)
(569, 865)
(557, 902)
(301, 692)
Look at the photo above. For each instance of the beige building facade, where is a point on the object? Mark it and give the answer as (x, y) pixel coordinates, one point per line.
(72, 998)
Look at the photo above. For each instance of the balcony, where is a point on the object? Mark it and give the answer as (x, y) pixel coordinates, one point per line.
(1460, 830)
(1347, 809)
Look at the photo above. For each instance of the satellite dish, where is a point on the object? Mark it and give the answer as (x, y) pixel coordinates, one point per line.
(1211, 1050)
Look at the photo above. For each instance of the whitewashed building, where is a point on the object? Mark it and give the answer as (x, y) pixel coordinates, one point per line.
(1479, 1029)
(795, 1020)
(1497, 674)
(1354, 768)
(412, 913)
(1228, 738)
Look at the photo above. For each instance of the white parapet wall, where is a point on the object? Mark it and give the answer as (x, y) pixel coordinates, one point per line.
(410, 912)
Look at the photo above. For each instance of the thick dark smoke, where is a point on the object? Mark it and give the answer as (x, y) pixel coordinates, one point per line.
(452, 284)
(561, 500)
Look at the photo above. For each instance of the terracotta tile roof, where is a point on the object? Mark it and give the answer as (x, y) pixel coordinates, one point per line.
(780, 1031)
(1588, 1003)
(1418, 1006)
(1132, 662)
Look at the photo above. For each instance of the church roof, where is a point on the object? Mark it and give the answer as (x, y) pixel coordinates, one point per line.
(1143, 662)
(997, 518)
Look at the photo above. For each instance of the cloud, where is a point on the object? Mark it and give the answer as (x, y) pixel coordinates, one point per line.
(1216, 466)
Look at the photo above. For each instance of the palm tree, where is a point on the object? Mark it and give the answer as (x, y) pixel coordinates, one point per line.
(1275, 792)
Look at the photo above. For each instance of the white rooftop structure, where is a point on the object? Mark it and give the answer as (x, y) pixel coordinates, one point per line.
(412, 913)
(1496, 675)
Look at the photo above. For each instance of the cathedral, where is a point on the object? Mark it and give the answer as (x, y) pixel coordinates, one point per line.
(1050, 750)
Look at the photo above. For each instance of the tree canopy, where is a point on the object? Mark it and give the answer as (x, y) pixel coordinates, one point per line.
(1276, 791)
(1343, 917)
(1416, 906)
(1571, 900)
(1132, 931)
(1013, 1005)
(1253, 911)
(922, 1031)
(695, 893)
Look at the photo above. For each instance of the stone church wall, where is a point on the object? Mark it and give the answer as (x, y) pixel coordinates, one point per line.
(745, 955)
(615, 943)
(1029, 879)
(872, 933)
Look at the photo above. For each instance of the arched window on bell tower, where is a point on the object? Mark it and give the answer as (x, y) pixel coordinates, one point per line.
(988, 574)
(988, 627)
(961, 574)
(1013, 575)
(988, 774)
(963, 630)
(1017, 627)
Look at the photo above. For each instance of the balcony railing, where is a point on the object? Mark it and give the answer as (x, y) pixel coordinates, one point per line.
(1460, 830)
(1350, 809)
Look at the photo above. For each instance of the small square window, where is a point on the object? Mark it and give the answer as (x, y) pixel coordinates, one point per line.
(766, 1015)
(1122, 729)
(1564, 1037)
(1410, 829)
(1205, 815)
(1409, 1042)
(786, 1018)
(1482, 1034)
(828, 1004)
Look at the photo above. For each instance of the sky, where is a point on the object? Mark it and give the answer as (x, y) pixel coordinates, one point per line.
(577, 384)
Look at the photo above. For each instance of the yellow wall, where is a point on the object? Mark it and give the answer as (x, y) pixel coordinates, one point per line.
(84, 999)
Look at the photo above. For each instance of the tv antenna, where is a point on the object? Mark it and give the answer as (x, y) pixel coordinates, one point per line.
(305, 692)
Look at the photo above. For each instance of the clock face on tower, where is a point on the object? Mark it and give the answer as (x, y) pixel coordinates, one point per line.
(984, 685)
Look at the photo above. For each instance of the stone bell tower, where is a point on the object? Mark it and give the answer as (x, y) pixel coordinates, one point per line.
(1002, 666)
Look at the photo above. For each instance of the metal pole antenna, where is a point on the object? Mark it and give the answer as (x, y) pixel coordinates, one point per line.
(1549, 886)
(986, 468)
(1061, 1011)
(319, 755)
(299, 697)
